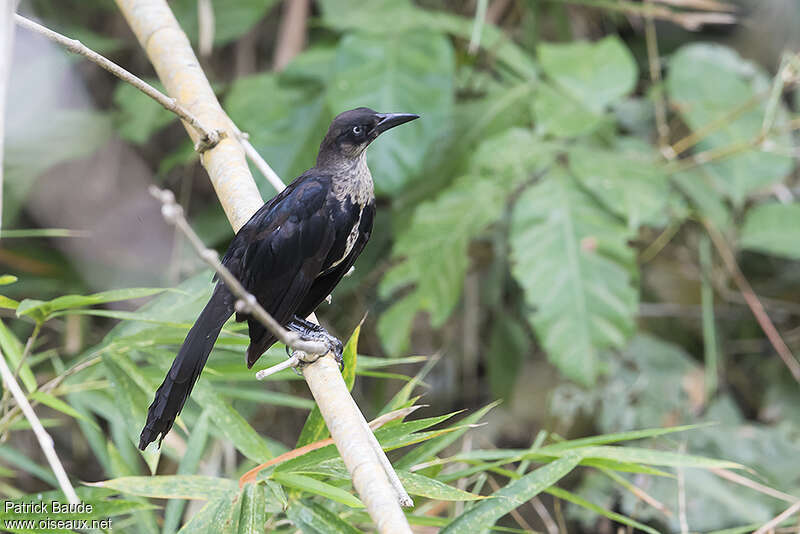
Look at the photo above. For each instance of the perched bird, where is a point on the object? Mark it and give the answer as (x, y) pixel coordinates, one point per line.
(289, 255)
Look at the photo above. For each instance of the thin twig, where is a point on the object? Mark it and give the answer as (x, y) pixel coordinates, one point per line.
(262, 166)
(246, 303)
(45, 441)
(777, 520)
(209, 137)
(544, 515)
(291, 32)
(752, 300)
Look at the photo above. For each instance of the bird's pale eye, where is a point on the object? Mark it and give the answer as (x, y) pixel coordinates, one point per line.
(358, 130)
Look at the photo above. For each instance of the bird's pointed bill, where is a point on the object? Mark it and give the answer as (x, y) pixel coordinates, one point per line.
(390, 120)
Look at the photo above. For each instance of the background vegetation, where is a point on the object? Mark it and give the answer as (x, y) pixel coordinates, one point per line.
(594, 221)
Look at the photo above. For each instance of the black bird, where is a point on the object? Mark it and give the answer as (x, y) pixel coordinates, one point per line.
(289, 255)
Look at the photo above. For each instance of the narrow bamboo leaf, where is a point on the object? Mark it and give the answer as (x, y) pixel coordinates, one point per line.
(401, 398)
(195, 447)
(12, 350)
(254, 512)
(428, 450)
(12, 456)
(172, 486)
(262, 396)
(617, 437)
(580, 501)
(417, 484)
(232, 424)
(312, 518)
(350, 358)
(7, 303)
(484, 514)
(32, 307)
(219, 516)
(317, 487)
(58, 404)
(639, 455)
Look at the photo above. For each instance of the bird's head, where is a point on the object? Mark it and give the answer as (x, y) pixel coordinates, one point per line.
(352, 131)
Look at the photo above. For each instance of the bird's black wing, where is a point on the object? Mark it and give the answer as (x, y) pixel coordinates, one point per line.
(279, 253)
(330, 277)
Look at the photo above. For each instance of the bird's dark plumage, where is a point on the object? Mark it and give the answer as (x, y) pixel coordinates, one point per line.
(290, 254)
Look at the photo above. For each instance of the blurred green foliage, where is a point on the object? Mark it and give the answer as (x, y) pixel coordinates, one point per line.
(552, 205)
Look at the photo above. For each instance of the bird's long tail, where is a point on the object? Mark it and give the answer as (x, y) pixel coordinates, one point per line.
(173, 392)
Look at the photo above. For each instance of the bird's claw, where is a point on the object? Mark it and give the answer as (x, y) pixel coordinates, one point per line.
(313, 332)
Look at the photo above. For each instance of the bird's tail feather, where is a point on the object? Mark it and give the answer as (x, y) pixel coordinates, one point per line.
(173, 392)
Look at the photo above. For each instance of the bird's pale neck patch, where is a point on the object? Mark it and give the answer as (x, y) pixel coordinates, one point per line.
(352, 179)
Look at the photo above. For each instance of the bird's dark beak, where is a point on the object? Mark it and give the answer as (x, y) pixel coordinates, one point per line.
(387, 121)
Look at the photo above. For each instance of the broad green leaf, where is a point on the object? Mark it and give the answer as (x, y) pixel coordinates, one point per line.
(707, 200)
(172, 486)
(593, 74)
(7, 279)
(254, 512)
(231, 19)
(485, 513)
(575, 499)
(317, 487)
(561, 115)
(436, 261)
(410, 73)
(773, 229)
(32, 307)
(12, 351)
(417, 484)
(706, 83)
(314, 428)
(573, 263)
(139, 116)
(285, 128)
(313, 518)
(631, 184)
(231, 423)
(7, 303)
(405, 17)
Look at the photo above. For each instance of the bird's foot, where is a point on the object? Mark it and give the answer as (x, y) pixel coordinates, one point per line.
(313, 332)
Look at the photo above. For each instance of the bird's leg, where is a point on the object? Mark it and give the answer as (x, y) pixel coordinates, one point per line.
(314, 332)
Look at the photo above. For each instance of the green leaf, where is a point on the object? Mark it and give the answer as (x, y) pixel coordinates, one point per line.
(605, 439)
(485, 513)
(7, 303)
(560, 115)
(218, 516)
(139, 116)
(231, 20)
(285, 128)
(631, 184)
(705, 83)
(593, 74)
(350, 358)
(195, 447)
(317, 487)
(7, 279)
(12, 350)
(429, 449)
(172, 486)
(773, 229)
(34, 308)
(58, 404)
(436, 261)
(575, 499)
(707, 200)
(410, 72)
(507, 348)
(573, 263)
(254, 512)
(417, 484)
(231, 423)
(313, 518)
